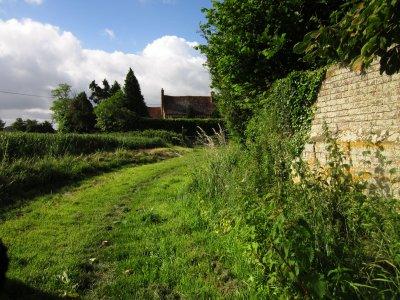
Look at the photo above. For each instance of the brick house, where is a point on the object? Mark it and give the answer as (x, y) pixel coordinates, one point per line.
(183, 107)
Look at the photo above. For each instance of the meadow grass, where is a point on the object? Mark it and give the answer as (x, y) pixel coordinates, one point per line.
(131, 234)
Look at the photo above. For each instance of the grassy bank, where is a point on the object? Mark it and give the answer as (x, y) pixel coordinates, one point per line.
(129, 234)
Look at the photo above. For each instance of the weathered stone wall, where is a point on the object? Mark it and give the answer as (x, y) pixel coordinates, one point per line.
(363, 113)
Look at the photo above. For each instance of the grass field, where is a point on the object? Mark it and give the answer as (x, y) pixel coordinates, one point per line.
(130, 234)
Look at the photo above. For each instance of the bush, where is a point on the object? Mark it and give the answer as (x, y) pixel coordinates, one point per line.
(113, 115)
(19, 145)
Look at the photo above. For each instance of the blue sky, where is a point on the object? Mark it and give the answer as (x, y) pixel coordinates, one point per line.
(135, 23)
(47, 42)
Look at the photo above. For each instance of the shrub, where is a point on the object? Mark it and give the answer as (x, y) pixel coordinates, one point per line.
(113, 115)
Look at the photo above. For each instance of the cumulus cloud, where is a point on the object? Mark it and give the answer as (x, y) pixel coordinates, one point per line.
(36, 57)
(35, 2)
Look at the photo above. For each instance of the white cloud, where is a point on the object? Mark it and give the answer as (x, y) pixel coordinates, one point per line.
(35, 57)
(109, 33)
(35, 2)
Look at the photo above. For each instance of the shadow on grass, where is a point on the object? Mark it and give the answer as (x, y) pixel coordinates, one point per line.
(22, 193)
(14, 289)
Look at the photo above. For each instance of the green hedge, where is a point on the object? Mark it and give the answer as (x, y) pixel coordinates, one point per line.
(187, 127)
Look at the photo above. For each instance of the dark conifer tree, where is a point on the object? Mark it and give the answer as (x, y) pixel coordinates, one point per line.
(81, 115)
(133, 95)
(106, 90)
(115, 88)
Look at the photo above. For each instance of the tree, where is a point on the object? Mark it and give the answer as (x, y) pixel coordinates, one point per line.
(113, 115)
(2, 125)
(61, 106)
(30, 125)
(81, 115)
(133, 95)
(19, 125)
(249, 45)
(46, 127)
(358, 32)
(72, 114)
(101, 93)
(115, 88)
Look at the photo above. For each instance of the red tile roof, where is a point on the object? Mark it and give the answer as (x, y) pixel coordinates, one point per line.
(187, 106)
(154, 112)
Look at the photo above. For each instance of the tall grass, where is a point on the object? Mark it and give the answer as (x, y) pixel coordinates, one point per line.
(310, 233)
(20, 145)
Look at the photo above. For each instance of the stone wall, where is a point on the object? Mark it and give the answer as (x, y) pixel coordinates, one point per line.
(363, 112)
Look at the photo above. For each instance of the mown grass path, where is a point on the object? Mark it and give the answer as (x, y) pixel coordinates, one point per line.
(123, 235)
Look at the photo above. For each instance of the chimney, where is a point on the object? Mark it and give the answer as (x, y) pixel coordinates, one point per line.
(162, 104)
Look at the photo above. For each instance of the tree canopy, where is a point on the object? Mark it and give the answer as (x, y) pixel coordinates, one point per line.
(250, 45)
(113, 115)
(80, 115)
(99, 94)
(30, 125)
(72, 114)
(358, 32)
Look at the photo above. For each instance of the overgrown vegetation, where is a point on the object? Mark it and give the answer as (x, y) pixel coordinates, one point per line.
(249, 46)
(311, 232)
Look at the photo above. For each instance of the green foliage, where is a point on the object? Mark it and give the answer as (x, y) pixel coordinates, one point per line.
(311, 233)
(60, 107)
(249, 46)
(99, 94)
(20, 145)
(32, 126)
(113, 115)
(133, 95)
(358, 32)
(72, 114)
(286, 109)
(81, 117)
(2, 125)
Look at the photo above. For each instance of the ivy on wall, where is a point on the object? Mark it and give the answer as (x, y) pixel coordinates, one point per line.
(286, 109)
